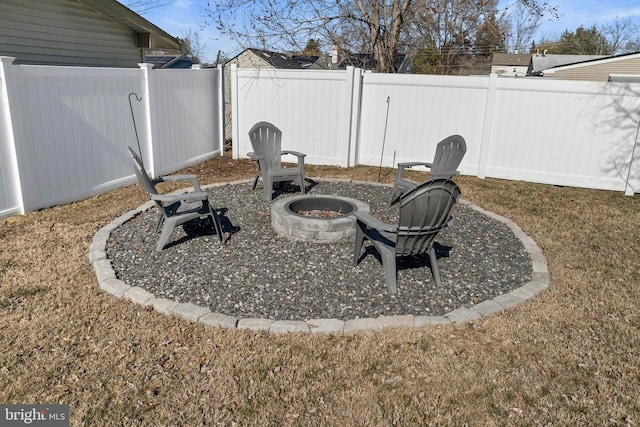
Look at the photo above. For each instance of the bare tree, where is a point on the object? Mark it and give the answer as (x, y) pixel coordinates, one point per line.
(622, 35)
(372, 26)
(383, 28)
(524, 25)
(192, 45)
(463, 33)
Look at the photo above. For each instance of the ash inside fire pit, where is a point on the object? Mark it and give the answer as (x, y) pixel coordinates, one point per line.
(320, 213)
(322, 219)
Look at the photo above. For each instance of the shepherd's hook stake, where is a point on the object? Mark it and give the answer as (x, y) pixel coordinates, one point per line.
(384, 138)
(135, 128)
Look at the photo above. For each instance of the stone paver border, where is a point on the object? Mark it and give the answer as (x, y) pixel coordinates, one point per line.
(109, 283)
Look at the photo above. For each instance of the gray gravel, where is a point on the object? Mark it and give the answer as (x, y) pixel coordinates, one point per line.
(258, 274)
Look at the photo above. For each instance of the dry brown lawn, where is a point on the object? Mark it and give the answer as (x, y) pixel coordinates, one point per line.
(568, 357)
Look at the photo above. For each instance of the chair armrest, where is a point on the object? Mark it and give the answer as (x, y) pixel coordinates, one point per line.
(444, 174)
(299, 155)
(254, 156)
(187, 197)
(375, 223)
(176, 178)
(295, 153)
(407, 165)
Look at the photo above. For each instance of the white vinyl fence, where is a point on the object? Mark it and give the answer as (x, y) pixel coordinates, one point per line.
(582, 134)
(64, 131)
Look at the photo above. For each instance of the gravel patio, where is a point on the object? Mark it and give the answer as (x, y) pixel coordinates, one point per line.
(258, 274)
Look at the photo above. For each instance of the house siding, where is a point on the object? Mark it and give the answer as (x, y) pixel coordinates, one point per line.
(64, 32)
(246, 59)
(598, 71)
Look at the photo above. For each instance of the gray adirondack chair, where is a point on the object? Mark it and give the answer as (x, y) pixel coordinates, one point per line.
(424, 212)
(449, 154)
(266, 142)
(176, 209)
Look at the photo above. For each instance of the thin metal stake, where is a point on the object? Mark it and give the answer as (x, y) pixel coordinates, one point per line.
(384, 138)
(135, 128)
(633, 154)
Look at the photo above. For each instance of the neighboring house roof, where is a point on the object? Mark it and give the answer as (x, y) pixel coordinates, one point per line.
(598, 69)
(511, 59)
(260, 57)
(169, 61)
(540, 62)
(78, 33)
(366, 61)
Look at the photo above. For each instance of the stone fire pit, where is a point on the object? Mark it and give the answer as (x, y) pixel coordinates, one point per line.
(317, 218)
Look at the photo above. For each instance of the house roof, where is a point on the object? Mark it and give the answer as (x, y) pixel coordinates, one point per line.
(367, 61)
(281, 60)
(293, 61)
(540, 62)
(169, 61)
(511, 59)
(602, 59)
(121, 14)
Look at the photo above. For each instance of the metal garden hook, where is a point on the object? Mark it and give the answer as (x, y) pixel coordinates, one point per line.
(135, 128)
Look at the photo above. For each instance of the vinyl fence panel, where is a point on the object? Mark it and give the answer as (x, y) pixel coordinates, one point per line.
(566, 133)
(72, 126)
(311, 108)
(75, 127)
(186, 125)
(405, 116)
(560, 132)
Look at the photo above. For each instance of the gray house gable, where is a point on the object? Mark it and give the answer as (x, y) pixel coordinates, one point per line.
(77, 33)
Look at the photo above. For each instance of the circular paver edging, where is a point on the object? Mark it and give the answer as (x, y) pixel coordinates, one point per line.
(108, 282)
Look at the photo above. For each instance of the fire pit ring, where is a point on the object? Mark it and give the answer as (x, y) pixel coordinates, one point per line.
(326, 219)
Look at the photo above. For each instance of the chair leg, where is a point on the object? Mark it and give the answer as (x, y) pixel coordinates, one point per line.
(301, 178)
(215, 222)
(434, 266)
(268, 188)
(390, 271)
(359, 240)
(160, 222)
(393, 195)
(164, 236)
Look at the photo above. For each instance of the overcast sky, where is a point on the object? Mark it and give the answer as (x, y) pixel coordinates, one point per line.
(184, 15)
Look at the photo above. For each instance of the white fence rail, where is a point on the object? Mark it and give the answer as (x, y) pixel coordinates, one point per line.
(558, 132)
(64, 131)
